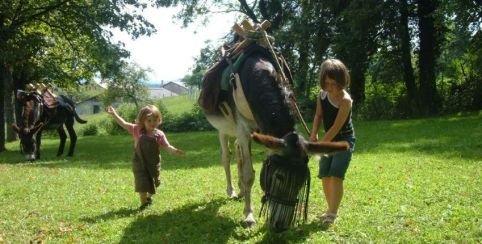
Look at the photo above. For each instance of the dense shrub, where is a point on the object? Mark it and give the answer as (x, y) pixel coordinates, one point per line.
(384, 101)
(462, 96)
(128, 111)
(89, 129)
(192, 121)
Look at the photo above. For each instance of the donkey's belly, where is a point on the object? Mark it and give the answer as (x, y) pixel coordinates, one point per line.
(222, 124)
(51, 126)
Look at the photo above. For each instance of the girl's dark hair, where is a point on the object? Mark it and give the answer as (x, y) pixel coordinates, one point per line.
(336, 70)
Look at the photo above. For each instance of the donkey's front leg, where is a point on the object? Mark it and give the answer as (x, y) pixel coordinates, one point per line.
(246, 177)
(226, 162)
(63, 138)
(38, 137)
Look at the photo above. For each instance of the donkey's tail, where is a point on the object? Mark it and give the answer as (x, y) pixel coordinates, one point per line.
(78, 119)
(71, 106)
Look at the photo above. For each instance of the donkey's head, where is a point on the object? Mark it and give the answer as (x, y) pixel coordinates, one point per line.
(31, 111)
(285, 177)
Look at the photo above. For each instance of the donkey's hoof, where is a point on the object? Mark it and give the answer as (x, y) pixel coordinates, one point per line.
(249, 224)
(231, 194)
(249, 221)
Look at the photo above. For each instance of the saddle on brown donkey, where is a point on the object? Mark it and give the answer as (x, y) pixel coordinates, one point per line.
(43, 110)
(256, 99)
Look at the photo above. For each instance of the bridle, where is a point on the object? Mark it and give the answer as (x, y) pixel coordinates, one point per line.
(36, 106)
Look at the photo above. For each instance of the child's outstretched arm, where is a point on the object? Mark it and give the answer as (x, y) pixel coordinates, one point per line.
(316, 121)
(174, 150)
(120, 121)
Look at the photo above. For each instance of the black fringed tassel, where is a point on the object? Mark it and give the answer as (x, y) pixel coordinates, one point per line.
(286, 197)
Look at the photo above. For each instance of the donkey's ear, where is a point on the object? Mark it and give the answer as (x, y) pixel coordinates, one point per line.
(326, 147)
(15, 128)
(268, 141)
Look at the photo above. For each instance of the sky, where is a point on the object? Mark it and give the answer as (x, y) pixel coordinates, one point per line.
(171, 51)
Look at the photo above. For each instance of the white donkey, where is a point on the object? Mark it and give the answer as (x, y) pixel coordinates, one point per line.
(256, 102)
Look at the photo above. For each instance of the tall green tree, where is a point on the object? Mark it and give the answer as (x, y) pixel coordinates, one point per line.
(355, 41)
(406, 55)
(430, 36)
(207, 56)
(405, 47)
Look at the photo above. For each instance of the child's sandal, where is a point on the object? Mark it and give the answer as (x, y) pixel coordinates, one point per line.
(328, 218)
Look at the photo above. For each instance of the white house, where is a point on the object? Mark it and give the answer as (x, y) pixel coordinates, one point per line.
(92, 105)
(167, 90)
(158, 93)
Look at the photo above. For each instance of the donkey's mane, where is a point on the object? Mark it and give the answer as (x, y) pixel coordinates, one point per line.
(268, 97)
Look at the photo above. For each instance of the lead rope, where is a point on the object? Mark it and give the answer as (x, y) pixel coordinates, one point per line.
(284, 81)
(258, 34)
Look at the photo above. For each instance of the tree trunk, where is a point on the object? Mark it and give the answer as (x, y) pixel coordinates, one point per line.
(248, 11)
(9, 105)
(429, 97)
(2, 106)
(303, 66)
(406, 56)
(357, 85)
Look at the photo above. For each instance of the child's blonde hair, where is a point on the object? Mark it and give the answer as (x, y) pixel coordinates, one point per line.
(336, 70)
(147, 111)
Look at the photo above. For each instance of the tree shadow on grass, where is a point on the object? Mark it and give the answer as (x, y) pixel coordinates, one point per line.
(193, 223)
(113, 152)
(298, 233)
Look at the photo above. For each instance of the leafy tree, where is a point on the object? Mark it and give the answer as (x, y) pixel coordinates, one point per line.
(65, 40)
(431, 37)
(128, 85)
(207, 56)
(460, 62)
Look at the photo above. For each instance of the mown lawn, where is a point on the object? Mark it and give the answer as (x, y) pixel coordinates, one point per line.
(410, 181)
(179, 104)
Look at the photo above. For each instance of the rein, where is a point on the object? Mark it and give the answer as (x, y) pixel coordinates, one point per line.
(285, 82)
(29, 107)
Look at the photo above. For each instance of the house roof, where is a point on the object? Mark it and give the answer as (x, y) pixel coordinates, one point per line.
(175, 87)
(96, 97)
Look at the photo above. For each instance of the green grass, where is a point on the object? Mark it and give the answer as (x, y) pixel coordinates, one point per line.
(409, 181)
(179, 104)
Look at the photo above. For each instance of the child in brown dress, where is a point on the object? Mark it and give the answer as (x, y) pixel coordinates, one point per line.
(148, 140)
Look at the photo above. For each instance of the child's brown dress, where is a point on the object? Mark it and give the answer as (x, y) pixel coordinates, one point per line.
(146, 164)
